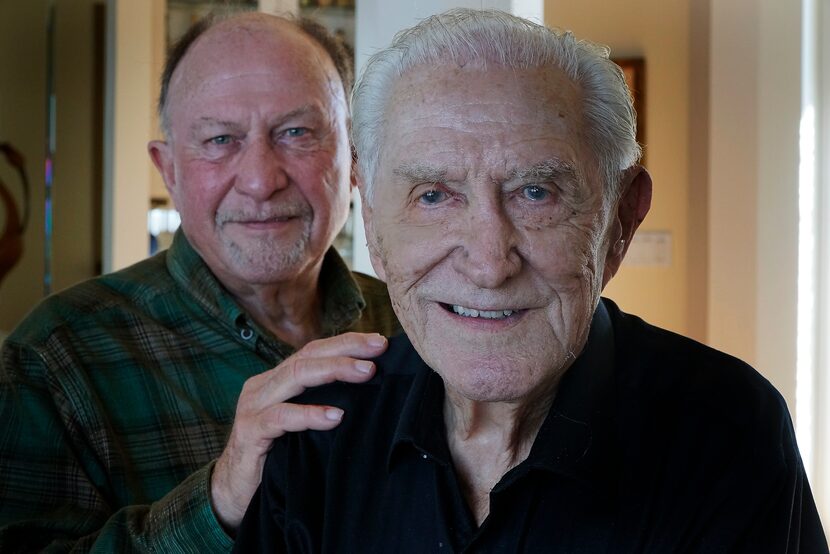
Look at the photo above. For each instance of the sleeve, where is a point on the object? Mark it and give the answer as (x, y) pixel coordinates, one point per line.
(55, 492)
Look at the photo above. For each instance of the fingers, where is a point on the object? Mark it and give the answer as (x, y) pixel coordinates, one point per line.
(291, 418)
(302, 373)
(353, 345)
(340, 358)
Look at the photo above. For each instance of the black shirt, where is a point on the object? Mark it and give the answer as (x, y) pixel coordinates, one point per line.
(654, 443)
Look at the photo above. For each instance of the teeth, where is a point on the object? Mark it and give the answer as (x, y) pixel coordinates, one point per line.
(486, 314)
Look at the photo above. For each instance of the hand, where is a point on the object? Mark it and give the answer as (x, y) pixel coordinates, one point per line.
(262, 413)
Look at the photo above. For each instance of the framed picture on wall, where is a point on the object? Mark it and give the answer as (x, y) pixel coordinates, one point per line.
(634, 70)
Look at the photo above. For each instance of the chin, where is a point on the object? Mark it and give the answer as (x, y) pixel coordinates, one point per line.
(486, 381)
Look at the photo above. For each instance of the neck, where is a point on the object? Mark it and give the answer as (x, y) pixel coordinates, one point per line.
(291, 311)
(488, 439)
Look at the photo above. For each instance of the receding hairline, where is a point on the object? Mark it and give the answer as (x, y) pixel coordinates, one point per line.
(301, 30)
(252, 23)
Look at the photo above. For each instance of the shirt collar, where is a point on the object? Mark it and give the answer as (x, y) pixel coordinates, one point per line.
(571, 440)
(421, 424)
(342, 299)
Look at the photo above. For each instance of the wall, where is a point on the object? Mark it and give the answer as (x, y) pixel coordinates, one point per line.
(659, 31)
(23, 64)
(133, 66)
(755, 99)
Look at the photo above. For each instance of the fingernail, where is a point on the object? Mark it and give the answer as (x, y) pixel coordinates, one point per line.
(334, 414)
(363, 366)
(376, 340)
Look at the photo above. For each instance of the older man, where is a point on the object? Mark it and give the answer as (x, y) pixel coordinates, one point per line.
(502, 190)
(117, 396)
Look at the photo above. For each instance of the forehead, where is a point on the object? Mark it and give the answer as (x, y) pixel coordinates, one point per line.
(480, 115)
(254, 57)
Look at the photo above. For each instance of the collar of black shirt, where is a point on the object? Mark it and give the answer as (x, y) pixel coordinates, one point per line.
(574, 441)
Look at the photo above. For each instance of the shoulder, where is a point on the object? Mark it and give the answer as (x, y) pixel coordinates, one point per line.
(378, 315)
(372, 413)
(395, 371)
(690, 389)
(106, 297)
(663, 357)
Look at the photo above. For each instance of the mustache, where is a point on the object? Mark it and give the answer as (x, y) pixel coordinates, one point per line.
(273, 213)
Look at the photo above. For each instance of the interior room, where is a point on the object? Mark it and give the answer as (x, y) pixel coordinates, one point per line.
(733, 100)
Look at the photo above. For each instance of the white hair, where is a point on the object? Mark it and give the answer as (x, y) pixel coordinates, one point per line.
(465, 35)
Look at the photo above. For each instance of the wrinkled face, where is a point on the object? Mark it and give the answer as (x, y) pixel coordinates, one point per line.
(258, 161)
(489, 225)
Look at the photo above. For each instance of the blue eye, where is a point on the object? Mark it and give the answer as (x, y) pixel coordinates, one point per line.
(221, 140)
(431, 197)
(296, 131)
(535, 193)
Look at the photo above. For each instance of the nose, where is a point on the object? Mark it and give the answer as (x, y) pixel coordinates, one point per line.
(488, 254)
(261, 170)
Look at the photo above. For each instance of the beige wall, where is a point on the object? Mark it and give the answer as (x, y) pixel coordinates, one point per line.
(659, 31)
(132, 123)
(755, 98)
(23, 64)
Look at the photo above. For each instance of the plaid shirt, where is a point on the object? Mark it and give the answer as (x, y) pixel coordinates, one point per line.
(117, 395)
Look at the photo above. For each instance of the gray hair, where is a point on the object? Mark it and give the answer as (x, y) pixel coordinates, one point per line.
(462, 35)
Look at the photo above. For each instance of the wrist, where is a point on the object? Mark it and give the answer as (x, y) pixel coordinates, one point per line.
(221, 502)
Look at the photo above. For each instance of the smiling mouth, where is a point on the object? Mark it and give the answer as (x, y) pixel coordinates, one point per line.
(481, 314)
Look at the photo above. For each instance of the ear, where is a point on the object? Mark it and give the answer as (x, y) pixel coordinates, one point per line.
(631, 209)
(161, 152)
(369, 228)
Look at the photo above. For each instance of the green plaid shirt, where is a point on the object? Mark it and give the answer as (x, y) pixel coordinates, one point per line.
(117, 395)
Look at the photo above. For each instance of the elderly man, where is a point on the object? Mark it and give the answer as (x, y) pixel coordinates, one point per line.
(117, 396)
(501, 187)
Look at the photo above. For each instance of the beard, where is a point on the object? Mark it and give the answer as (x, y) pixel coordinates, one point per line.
(262, 259)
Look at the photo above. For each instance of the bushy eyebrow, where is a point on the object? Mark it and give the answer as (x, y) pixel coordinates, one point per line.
(549, 170)
(203, 122)
(420, 173)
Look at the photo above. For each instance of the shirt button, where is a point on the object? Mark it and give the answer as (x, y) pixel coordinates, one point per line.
(246, 333)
